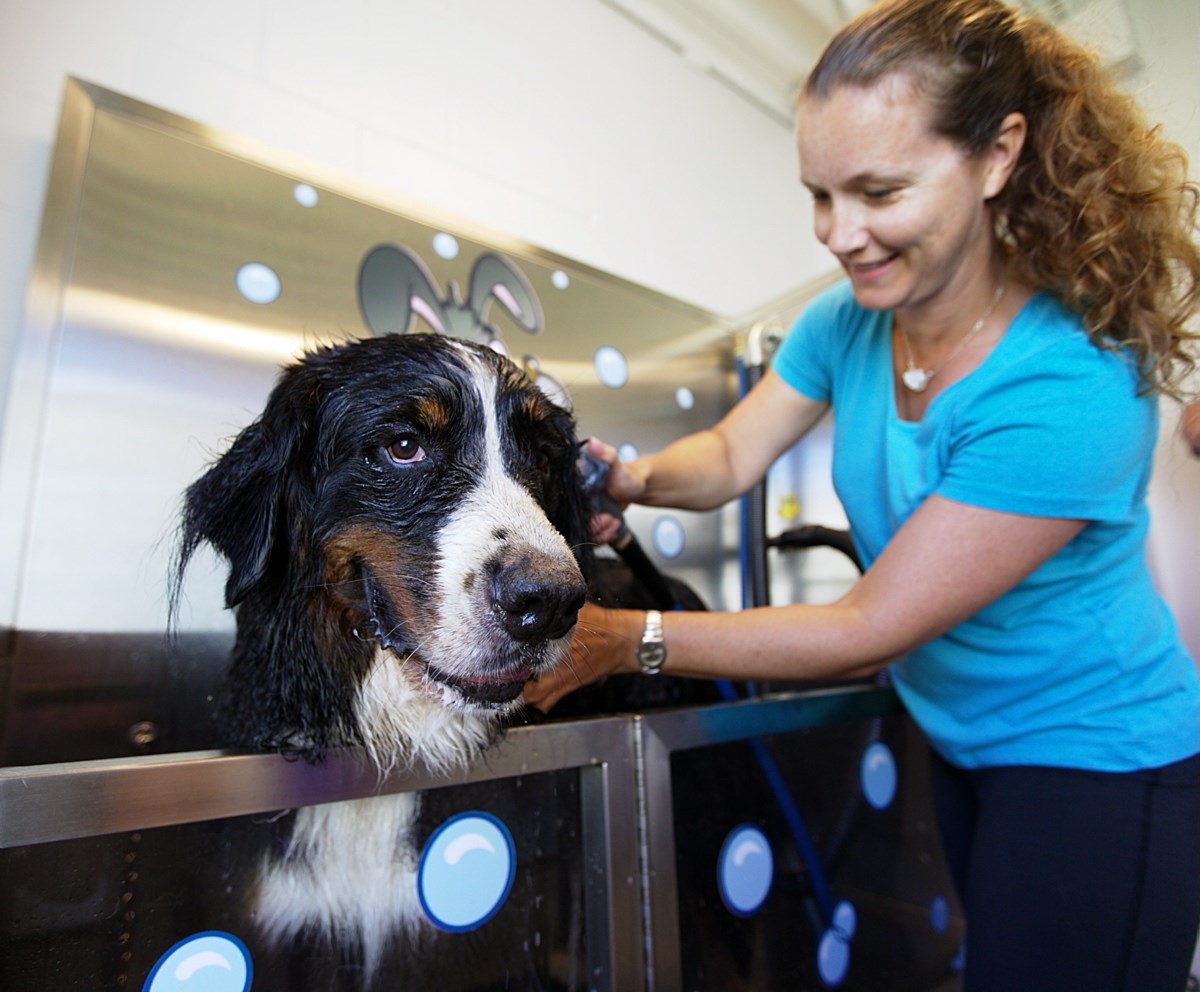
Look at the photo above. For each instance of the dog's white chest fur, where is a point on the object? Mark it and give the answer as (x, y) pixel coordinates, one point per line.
(403, 720)
(349, 873)
(350, 869)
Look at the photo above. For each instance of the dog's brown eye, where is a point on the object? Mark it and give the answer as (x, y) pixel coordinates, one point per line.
(405, 450)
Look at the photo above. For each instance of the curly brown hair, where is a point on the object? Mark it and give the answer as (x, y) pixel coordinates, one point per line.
(1099, 210)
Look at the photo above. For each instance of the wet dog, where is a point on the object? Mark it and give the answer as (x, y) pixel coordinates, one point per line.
(405, 530)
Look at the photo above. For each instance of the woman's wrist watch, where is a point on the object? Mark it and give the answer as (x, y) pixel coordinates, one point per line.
(652, 651)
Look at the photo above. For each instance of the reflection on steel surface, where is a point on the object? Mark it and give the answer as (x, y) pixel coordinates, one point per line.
(44, 803)
(140, 343)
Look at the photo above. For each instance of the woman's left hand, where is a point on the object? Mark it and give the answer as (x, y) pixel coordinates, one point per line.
(605, 643)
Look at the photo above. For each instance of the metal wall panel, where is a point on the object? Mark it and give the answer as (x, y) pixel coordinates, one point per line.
(791, 844)
(107, 864)
(142, 357)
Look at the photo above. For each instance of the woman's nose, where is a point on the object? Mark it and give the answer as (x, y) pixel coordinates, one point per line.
(841, 228)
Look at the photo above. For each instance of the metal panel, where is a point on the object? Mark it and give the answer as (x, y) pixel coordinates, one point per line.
(141, 357)
(51, 802)
(770, 762)
(48, 804)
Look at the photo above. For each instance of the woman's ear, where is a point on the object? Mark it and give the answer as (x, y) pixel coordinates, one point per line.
(1004, 152)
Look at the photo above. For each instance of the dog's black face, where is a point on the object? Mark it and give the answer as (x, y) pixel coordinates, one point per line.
(403, 525)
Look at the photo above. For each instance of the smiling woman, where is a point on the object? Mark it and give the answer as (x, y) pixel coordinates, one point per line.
(1018, 247)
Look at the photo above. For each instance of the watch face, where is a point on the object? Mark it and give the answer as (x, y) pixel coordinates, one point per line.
(651, 656)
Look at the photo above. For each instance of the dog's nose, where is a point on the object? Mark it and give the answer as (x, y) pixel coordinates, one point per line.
(537, 598)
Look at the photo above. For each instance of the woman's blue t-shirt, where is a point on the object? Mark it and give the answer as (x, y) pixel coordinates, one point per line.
(1080, 664)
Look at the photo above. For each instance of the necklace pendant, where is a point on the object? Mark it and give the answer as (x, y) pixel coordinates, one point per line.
(915, 379)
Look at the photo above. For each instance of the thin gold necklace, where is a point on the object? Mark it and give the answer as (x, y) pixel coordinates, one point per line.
(916, 378)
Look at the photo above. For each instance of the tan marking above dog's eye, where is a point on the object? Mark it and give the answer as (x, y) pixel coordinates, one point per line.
(405, 450)
(433, 414)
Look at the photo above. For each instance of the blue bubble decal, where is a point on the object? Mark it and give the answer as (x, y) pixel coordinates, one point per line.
(466, 871)
(446, 245)
(306, 195)
(833, 951)
(258, 283)
(959, 961)
(212, 961)
(878, 775)
(833, 958)
(845, 919)
(611, 367)
(745, 870)
(939, 914)
(668, 536)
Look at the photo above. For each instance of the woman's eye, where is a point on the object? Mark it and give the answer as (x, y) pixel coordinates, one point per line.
(880, 193)
(405, 450)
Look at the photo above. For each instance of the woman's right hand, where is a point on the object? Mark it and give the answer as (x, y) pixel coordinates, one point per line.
(624, 485)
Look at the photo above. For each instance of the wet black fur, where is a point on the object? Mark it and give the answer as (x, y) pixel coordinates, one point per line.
(311, 464)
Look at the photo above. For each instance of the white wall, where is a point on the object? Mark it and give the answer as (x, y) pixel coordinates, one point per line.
(1167, 33)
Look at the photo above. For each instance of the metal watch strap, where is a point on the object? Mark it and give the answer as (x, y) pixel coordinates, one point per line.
(652, 651)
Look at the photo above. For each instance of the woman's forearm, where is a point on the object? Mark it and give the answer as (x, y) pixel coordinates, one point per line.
(784, 643)
(707, 469)
(926, 581)
(693, 473)
(781, 643)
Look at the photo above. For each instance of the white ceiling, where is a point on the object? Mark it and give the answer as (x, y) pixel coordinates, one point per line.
(763, 49)
(760, 48)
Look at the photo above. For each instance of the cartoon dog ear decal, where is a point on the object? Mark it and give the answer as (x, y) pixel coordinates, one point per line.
(495, 277)
(394, 286)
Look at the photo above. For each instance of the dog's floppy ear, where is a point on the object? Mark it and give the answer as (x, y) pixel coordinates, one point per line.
(574, 513)
(236, 505)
